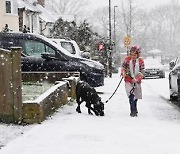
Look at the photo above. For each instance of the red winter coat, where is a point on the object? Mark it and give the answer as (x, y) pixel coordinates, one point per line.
(126, 69)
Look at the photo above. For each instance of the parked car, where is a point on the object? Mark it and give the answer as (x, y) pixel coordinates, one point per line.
(86, 55)
(174, 81)
(153, 68)
(70, 45)
(41, 54)
(173, 62)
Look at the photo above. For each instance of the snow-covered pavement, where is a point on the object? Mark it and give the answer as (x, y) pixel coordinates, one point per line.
(155, 131)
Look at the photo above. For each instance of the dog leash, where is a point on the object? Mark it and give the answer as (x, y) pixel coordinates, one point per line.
(133, 88)
(114, 91)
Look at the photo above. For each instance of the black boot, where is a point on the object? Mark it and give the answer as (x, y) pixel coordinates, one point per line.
(133, 112)
(132, 106)
(135, 103)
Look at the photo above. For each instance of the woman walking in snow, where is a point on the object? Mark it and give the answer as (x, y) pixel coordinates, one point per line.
(132, 72)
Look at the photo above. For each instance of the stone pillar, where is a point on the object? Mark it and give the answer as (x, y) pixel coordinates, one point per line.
(10, 86)
(17, 83)
(6, 102)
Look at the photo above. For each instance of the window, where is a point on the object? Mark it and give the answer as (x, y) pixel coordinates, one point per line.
(8, 6)
(35, 48)
(50, 50)
(68, 46)
(11, 7)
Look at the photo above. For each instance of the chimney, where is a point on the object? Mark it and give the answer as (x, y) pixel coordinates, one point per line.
(41, 2)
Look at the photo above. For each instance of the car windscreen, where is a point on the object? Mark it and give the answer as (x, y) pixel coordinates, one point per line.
(35, 48)
(151, 62)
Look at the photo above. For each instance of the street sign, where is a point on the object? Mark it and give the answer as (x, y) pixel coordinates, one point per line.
(127, 41)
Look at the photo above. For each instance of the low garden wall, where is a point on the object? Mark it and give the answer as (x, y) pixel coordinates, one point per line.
(12, 107)
(35, 111)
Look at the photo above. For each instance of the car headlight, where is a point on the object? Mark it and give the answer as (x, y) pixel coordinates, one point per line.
(93, 64)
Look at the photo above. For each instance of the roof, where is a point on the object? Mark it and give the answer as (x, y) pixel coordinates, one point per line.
(26, 5)
(45, 14)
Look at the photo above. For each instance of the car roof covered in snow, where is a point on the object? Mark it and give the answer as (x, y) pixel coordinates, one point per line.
(35, 37)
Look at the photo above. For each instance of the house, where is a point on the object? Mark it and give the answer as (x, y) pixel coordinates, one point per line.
(47, 21)
(9, 15)
(28, 16)
(33, 14)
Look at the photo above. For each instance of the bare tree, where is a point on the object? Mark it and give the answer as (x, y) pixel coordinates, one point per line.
(157, 27)
(70, 7)
(164, 27)
(100, 17)
(128, 16)
(173, 17)
(141, 27)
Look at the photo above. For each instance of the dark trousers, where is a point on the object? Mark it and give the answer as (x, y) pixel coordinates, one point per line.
(133, 103)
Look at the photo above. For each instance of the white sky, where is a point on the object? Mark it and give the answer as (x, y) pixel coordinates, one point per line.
(141, 3)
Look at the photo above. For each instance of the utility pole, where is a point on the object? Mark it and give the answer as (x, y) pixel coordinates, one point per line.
(115, 28)
(110, 41)
(130, 17)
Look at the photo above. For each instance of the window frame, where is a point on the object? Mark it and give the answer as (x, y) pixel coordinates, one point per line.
(7, 9)
(70, 44)
(13, 7)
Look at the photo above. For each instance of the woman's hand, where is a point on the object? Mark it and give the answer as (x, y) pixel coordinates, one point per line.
(139, 78)
(123, 75)
(134, 80)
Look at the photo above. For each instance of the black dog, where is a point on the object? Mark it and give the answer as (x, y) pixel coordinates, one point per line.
(84, 92)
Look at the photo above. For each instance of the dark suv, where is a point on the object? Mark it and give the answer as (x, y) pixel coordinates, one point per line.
(41, 54)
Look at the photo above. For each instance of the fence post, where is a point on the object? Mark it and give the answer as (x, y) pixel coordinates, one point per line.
(6, 102)
(17, 83)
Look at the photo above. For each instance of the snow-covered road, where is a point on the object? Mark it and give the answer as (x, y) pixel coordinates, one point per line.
(155, 131)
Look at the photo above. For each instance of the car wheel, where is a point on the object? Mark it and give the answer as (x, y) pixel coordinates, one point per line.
(163, 76)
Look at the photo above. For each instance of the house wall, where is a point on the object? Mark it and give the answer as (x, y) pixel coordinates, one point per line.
(31, 20)
(1, 14)
(36, 28)
(45, 28)
(9, 18)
